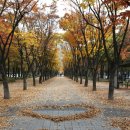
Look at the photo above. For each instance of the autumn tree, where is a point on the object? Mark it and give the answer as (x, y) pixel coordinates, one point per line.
(12, 63)
(115, 17)
(43, 25)
(71, 23)
(28, 49)
(85, 44)
(11, 14)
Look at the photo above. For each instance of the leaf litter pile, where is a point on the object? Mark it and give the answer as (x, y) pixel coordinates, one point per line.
(18, 98)
(123, 123)
(4, 122)
(90, 112)
(4, 104)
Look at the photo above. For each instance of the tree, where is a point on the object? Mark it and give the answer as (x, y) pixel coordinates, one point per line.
(28, 48)
(44, 26)
(85, 44)
(108, 9)
(11, 14)
(71, 23)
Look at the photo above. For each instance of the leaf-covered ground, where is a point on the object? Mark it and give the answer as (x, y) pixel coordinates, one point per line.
(62, 91)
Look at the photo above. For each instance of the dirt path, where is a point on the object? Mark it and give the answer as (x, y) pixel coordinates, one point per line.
(62, 91)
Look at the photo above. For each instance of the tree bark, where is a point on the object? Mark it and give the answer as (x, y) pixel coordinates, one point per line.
(77, 73)
(34, 80)
(8, 67)
(5, 87)
(18, 72)
(13, 72)
(77, 78)
(81, 74)
(116, 85)
(102, 71)
(81, 81)
(24, 83)
(108, 71)
(5, 82)
(86, 81)
(40, 79)
(43, 78)
(94, 80)
(111, 81)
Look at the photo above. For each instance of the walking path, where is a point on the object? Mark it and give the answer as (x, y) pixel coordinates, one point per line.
(61, 91)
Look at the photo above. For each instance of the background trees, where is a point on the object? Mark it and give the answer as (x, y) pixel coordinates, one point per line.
(102, 29)
(11, 14)
(26, 41)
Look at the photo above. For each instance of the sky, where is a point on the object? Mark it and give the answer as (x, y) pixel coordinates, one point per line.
(62, 6)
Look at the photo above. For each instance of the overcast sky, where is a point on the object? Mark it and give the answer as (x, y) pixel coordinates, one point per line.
(62, 6)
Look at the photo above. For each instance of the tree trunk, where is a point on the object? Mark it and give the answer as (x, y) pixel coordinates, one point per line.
(116, 79)
(111, 81)
(108, 71)
(71, 73)
(18, 72)
(102, 71)
(40, 79)
(77, 74)
(13, 72)
(5, 82)
(94, 80)
(8, 67)
(21, 67)
(86, 78)
(98, 77)
(86, 81)
(81, 81)
(81, 75)
(24, 83)
(77, 78)
(34, 80)
(5, 87)
(43, 78)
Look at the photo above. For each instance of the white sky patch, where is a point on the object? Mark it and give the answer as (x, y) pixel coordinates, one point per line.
(62, 6)
(41, 2)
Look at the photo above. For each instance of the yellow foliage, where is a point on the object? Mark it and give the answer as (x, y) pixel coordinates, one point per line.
(70, 39)
(28, 38)
(83, 5)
